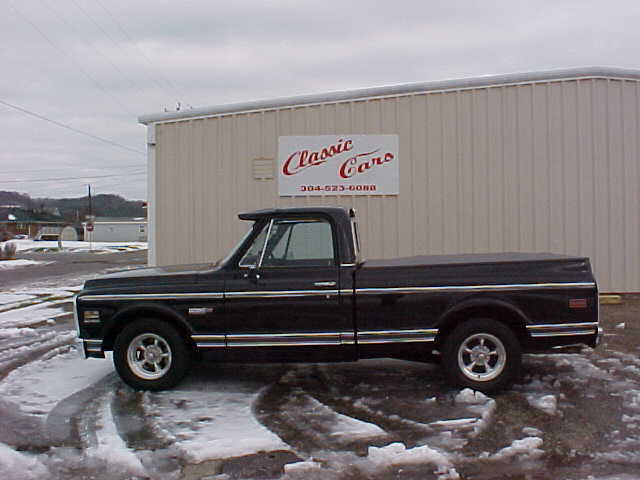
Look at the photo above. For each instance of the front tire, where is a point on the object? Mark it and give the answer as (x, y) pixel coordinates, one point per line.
(151, 355)
(482, 354)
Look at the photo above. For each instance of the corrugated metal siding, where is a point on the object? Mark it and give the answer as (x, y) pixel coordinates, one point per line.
(538, 167)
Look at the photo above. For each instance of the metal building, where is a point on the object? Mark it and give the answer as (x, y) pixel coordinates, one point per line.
(545, 161)
(106, 229)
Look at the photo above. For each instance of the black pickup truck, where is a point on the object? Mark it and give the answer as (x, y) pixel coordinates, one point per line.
(296, 289)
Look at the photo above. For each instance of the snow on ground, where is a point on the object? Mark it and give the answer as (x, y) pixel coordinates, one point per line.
(527, 448)
(320, 418)
(33, 314)
(110, 447)
(211, 421)
(74, 247)
(398, 454)
(547, 403)
(20, 466)
(38, 386)
(20, 263)
(10, 299)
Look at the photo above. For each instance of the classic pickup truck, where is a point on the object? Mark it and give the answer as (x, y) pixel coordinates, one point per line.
(296, 289)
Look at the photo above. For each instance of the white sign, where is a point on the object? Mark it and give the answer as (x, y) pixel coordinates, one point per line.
(338, 165)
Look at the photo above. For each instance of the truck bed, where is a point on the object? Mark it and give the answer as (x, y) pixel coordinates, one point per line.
(470, 259)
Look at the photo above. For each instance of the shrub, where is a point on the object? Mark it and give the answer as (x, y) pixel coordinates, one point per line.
(9, 250)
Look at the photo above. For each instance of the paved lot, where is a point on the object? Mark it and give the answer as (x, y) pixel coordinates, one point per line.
(570, 416)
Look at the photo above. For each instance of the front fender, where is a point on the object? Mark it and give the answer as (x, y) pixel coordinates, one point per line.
(138, 310)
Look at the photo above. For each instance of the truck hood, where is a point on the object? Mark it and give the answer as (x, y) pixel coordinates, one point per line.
(166, 275)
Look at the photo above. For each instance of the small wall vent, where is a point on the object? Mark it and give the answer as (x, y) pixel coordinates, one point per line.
(262, 168)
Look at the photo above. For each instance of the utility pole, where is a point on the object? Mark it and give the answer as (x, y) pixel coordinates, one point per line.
(90, 221)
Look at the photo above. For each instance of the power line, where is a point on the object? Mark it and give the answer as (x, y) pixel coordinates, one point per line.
(68, 55)
(156, 72)
(72, 178)
(32, 170)
(81, 132)
(93, 47)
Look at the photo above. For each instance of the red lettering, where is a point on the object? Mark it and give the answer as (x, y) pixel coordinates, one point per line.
(305, 159)
(357, 164)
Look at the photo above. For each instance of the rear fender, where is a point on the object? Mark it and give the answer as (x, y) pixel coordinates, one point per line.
(494, 308)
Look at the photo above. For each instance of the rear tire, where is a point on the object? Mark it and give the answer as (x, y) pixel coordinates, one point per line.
(151, 354)
(482, 354)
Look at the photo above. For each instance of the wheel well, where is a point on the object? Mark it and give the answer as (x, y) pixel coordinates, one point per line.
(499, 313)
(128, 317)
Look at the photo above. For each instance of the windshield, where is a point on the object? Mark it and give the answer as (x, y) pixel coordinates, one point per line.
(235, 249)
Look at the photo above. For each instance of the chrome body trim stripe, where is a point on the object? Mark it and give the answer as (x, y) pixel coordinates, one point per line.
(347, 291)
(154, 296)
(313, 338)
(283, 339)
(396, 336)
(282, 293)
(559, 326)
(563, 329)
(209, 341)
(472, 288)
(563, 333)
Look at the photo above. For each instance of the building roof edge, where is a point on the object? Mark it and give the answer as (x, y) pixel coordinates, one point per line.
(391, 90)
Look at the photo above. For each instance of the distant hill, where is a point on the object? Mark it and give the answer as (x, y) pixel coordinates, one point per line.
(76, 209)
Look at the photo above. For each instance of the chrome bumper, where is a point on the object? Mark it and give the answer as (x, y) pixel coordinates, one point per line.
(89, 348)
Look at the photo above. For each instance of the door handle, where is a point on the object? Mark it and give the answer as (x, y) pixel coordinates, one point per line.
(325, 284)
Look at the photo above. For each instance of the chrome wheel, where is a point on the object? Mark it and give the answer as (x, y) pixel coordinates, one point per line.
(149, 356)
(482, 357)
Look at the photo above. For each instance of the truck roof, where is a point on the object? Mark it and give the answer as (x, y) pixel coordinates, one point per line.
(331, 211)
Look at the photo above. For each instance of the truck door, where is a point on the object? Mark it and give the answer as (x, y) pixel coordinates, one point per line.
(286, 297)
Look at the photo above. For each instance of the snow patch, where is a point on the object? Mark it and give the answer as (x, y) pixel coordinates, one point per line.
(398, 454)
(14, 298)
(111, 448)
(19, 263)
(547, 403)
(79, 246)
(527, 448)
(532, 432)
(338, 426)
(297, 468)
(20, 466)
(632, 399)
(217, 422)
(23, 317)
(11, 332)
(471, 397)
(37, 387)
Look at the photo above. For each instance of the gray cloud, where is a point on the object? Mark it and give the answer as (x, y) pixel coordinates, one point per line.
(94, 77)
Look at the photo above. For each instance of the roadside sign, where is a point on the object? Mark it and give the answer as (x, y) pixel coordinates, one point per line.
(89, 227)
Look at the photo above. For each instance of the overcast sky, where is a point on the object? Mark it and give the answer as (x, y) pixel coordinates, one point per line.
(95, 65)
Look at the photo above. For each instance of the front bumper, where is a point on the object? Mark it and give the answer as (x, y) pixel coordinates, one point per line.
(89, 348)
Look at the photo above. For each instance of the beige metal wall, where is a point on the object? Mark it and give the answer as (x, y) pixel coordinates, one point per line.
(550, 166)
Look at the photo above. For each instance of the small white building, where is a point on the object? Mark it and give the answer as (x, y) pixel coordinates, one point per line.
(117, 230)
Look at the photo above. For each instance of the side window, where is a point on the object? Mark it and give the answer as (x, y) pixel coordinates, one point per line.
(300, 243)
(252, 257)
